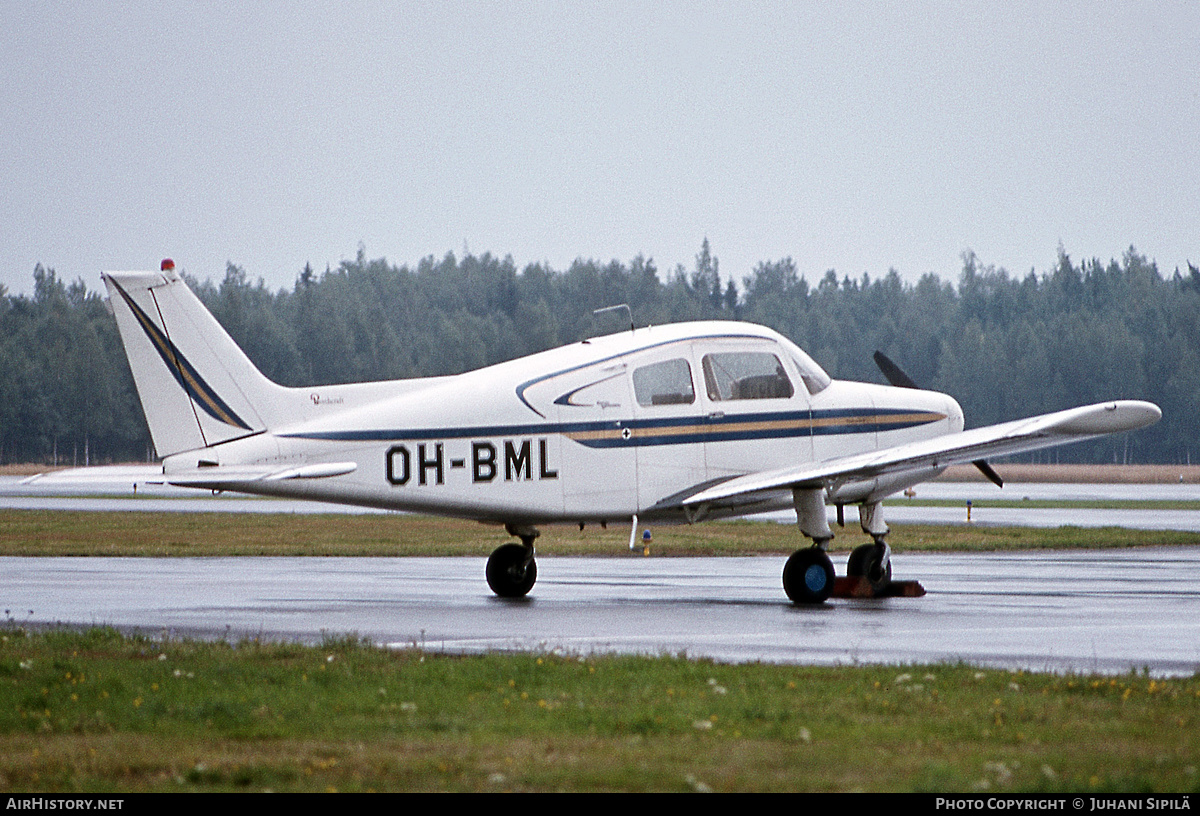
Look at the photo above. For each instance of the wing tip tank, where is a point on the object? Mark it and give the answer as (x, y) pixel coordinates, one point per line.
(1110, 417)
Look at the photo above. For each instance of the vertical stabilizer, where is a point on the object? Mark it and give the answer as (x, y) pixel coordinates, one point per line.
(196, 386)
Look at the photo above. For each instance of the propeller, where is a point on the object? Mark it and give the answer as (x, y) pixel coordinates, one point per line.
(893, 373)
(895, 376)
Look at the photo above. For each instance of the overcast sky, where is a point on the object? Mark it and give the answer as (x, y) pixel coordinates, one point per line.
(851, 136)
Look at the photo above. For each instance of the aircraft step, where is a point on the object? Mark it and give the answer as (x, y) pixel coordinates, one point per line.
(861, 588)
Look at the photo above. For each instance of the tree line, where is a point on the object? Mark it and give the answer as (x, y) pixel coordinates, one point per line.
(1004, 345)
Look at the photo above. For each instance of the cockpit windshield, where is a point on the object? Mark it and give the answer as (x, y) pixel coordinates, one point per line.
(814, 377)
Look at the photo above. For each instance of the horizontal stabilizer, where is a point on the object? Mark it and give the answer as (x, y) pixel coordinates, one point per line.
(96, 475)
(231, 477)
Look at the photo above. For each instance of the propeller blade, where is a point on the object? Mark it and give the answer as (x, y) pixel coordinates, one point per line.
(901, 380)
(987, 471)
(893, 373)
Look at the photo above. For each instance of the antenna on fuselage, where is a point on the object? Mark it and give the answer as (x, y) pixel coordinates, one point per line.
(618, 307)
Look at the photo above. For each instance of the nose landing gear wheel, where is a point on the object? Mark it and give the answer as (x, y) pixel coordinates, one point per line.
(511, 570)
(808, 576)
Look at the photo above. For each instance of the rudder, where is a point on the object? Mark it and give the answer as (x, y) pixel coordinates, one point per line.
(196, 386)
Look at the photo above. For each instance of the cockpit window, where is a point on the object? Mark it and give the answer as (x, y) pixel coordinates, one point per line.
(740, 375)
(665, 383)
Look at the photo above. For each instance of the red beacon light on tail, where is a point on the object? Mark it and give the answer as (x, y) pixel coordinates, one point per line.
(167, 265)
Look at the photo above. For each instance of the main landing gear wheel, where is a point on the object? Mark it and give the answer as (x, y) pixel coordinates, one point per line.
(871, 561)
(808, 576)
(511, 570)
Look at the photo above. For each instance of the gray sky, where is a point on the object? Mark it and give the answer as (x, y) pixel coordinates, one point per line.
(852, 136)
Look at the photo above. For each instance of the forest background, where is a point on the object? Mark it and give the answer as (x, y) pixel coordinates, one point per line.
(1005, 346)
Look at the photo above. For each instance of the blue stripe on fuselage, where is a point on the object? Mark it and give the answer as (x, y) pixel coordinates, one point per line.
(632, 433)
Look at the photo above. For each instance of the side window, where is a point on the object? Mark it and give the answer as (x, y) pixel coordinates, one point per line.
(744, 375)
(665, 383)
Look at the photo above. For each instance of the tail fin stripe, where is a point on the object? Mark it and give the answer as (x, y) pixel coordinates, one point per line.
(185, 374)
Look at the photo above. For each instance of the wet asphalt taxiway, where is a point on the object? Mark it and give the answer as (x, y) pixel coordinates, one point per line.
(1079, 611)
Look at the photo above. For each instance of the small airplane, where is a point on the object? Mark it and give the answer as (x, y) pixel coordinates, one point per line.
(674, 423)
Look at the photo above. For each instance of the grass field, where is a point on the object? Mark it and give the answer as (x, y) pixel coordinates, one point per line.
(95, 711)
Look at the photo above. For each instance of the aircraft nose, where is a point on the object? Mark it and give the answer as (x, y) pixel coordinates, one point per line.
(954, 414)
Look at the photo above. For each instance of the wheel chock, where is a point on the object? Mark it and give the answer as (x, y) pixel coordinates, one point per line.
(858, 587)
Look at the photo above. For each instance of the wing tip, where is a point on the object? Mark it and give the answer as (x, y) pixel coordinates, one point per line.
(1110, 417)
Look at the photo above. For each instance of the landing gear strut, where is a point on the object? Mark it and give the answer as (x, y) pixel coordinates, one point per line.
(511, 568)
(872, 561)
(808, 576)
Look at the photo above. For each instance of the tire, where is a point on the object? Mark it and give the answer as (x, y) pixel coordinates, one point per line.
(808, 576)
(865, 563)
(511, 571)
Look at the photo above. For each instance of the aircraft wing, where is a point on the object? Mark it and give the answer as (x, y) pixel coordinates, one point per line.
(1018, 436)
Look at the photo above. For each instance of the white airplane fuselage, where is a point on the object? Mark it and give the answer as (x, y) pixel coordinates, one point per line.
(600, 430)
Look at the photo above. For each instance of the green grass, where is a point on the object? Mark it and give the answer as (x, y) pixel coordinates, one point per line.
(95, 711)
(45, 533)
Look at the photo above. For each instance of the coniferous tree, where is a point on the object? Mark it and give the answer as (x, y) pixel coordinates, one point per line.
(1005, 346)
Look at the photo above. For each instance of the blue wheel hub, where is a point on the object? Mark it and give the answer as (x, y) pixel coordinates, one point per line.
(815, 578)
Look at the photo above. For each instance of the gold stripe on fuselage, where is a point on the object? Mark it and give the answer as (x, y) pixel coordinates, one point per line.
(750, 427)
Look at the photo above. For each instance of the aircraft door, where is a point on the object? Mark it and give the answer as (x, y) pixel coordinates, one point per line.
(599, 465)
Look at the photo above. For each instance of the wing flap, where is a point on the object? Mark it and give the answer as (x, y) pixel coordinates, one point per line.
(1018, 436)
